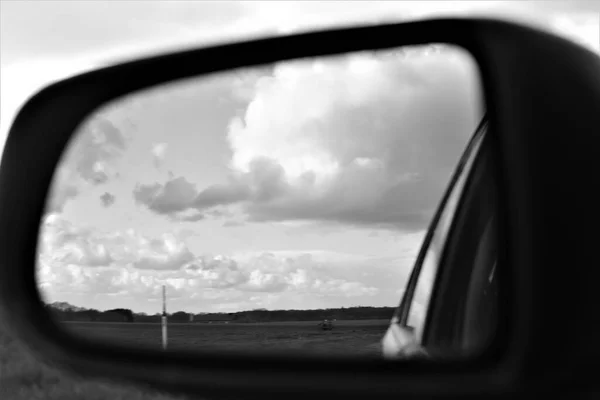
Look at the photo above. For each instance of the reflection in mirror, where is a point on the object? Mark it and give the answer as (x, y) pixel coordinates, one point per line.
(279, 208)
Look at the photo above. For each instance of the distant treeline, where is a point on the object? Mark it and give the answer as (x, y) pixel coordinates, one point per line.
(126, 315)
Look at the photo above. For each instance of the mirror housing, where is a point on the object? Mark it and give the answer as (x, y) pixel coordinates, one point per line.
(528, 75)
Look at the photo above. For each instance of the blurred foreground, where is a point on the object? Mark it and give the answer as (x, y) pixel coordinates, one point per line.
(23, 377)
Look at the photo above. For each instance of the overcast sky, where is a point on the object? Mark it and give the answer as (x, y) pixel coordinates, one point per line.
(305, 185)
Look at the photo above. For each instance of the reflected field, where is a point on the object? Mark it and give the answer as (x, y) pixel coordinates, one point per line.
(348, 338)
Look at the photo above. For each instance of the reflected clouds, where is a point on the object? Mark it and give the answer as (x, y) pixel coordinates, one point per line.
(306, 184)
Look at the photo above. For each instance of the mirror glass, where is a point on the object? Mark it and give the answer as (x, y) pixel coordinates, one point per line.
(277, 208)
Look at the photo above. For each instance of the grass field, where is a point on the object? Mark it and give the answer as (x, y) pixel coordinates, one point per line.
(23, 377)
(348, 338)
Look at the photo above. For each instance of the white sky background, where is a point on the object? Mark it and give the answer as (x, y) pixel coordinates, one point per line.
(249, 191)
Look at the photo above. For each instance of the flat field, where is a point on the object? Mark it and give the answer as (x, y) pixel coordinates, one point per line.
(348, 338)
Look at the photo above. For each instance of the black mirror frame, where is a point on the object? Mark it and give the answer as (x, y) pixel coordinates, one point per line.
(526, 99)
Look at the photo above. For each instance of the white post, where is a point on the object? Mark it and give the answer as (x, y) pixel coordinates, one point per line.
(164, 319)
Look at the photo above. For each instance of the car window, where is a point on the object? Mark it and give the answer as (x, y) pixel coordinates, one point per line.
(463, 302)
(428, 270)
(482, 301)
(482, 310)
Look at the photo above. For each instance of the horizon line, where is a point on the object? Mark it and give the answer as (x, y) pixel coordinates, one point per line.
(215, 312)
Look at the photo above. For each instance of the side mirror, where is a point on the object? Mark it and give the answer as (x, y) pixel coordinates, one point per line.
(542, 94)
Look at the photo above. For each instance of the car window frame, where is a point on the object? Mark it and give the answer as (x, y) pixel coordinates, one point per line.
(483, 278)
(445, 322)
(439, 228)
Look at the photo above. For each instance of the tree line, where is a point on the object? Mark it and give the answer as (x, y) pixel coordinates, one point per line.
(261, 315)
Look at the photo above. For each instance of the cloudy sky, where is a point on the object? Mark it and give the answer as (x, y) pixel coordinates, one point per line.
(300, 185)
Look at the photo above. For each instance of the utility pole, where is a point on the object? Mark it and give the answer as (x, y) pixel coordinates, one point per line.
(164, 318)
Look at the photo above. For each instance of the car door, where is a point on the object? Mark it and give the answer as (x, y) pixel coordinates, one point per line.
(450, 303)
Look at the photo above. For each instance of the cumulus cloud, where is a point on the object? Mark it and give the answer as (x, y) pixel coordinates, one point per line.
(74, 259)
(89, 160)
(166, 252)
(364, 139)
(62, 243)
(98, 143)
(178, 194)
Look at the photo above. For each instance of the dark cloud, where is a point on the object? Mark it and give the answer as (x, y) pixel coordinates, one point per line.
(175, 195)
(145, 194)
(88, 160)
(264, 182)
(107, 199)
(220, 195)
(95, 145)
(393, 136)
